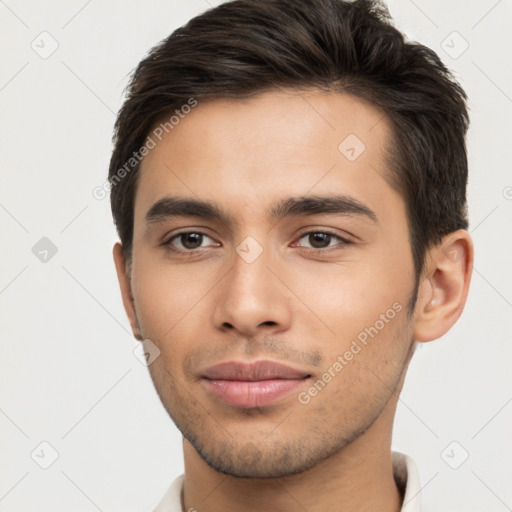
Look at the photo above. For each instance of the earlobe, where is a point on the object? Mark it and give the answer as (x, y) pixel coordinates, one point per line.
(444, 286)
(126, 290)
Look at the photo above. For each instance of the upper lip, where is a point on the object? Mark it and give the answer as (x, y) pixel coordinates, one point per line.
(259, 370)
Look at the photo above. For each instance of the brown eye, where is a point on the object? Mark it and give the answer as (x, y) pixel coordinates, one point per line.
(191, 240)
(188, 241)
(321, 240)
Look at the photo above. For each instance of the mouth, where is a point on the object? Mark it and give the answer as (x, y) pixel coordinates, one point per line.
(249, 385)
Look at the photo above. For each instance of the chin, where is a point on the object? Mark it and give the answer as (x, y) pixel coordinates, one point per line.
(262, 461)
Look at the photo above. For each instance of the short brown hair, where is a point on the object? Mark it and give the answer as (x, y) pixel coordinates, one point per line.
(245, 47)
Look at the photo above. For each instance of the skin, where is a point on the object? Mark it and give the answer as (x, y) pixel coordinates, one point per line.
(297, 303)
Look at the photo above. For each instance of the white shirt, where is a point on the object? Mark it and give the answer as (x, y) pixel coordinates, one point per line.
(404, 470)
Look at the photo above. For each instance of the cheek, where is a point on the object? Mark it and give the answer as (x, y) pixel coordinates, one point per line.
(359, 378)
(168, 298)
(352, 295)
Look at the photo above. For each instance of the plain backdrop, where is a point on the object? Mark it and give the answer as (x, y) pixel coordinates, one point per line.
(74, 397)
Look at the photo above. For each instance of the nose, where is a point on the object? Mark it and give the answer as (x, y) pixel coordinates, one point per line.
(251, 299)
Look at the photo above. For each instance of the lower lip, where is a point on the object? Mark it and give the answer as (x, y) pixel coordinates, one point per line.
(252, 393)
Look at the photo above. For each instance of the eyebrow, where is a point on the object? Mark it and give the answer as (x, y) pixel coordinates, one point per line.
(175, 206)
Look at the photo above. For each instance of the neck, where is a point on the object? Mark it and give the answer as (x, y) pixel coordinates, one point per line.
(358, 478)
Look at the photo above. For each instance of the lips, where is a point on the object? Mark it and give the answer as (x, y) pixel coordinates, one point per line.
(252, 385)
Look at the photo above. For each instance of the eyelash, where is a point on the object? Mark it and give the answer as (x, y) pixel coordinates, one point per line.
(191, 252)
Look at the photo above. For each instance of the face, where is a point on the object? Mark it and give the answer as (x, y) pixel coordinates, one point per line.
(272, 269)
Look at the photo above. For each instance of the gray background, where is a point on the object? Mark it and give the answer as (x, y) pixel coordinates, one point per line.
(69, 377)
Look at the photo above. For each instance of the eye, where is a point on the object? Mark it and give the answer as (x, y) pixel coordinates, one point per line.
(322, 240)
(187, 241)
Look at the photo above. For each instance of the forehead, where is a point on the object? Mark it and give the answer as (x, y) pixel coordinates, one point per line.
(247, 154)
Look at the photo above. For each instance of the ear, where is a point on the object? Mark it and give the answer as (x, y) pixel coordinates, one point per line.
(124, 278)
(444, 286)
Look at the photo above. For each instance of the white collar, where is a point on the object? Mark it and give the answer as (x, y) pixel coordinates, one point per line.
(404, 469)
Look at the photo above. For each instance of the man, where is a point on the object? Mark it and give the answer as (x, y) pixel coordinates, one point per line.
(289, 187)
